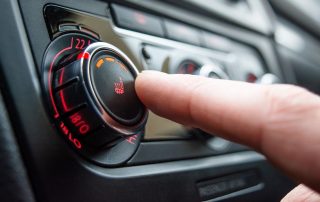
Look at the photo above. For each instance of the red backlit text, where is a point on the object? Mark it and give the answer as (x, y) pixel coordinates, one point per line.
(67, 133)
(81, 43)
(81, 125)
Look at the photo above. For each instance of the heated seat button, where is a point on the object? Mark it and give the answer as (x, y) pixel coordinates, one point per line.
(138, 21)
(113, 84)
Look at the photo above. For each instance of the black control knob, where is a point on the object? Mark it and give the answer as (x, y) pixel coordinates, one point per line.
(102, 92)
(93, 98)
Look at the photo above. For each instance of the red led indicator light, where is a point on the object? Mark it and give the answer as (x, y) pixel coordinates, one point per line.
(119, 87)
(251, 78)
(132, 139)
(140, 18)
(84, 55)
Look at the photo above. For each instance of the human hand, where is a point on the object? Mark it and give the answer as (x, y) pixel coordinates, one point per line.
(280, 121)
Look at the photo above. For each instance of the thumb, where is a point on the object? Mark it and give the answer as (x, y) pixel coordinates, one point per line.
(301, 193)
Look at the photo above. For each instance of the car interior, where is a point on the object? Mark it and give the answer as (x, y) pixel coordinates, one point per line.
(73, 129)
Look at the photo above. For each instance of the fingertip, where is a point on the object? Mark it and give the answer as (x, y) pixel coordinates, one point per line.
(146, 83)
(145, 77)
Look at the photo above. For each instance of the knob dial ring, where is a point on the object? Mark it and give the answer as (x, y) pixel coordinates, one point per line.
(85, 63)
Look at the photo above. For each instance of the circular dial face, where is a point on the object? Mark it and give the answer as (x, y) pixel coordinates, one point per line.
(113, 83)
(90, 89)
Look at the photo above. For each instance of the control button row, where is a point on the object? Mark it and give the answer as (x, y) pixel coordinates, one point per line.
(82, 121)
(132, 19)
(72, 103)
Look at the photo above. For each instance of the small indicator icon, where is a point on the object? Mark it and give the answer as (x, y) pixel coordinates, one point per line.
(140, 18)
(119, 87)
(132, 139)
(109, 59)
(99, 63)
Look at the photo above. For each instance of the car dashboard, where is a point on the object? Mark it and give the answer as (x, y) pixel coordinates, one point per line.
(73, 129)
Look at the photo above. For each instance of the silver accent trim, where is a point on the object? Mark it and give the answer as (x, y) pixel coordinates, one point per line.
(206, 69)
(188, 165)
(163, 42)
(92, 49)
(268, 79)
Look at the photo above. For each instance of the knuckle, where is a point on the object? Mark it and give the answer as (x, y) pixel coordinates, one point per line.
(287, 103)
(286, 107)
(284, 98)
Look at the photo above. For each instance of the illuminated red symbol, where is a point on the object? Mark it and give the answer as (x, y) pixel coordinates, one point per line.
(66, 132)
(132, 139)
(80, 123)
(119, 87)
(140, 18)
(64, 129)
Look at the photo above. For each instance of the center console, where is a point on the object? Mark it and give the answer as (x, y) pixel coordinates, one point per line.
(87, 134)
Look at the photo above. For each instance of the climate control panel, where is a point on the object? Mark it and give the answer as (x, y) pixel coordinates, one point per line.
(90, 90)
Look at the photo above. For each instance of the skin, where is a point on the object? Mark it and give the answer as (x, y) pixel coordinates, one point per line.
(280, 121)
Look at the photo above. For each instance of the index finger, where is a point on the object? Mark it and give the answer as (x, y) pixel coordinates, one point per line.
(281, 121)
(213, 105)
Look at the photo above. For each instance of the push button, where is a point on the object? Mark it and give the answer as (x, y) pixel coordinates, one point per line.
(70, 97)
(138, 21)
(64, 75)
(216, 42)
(181, 32)
(113, 84)
(83, 121)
